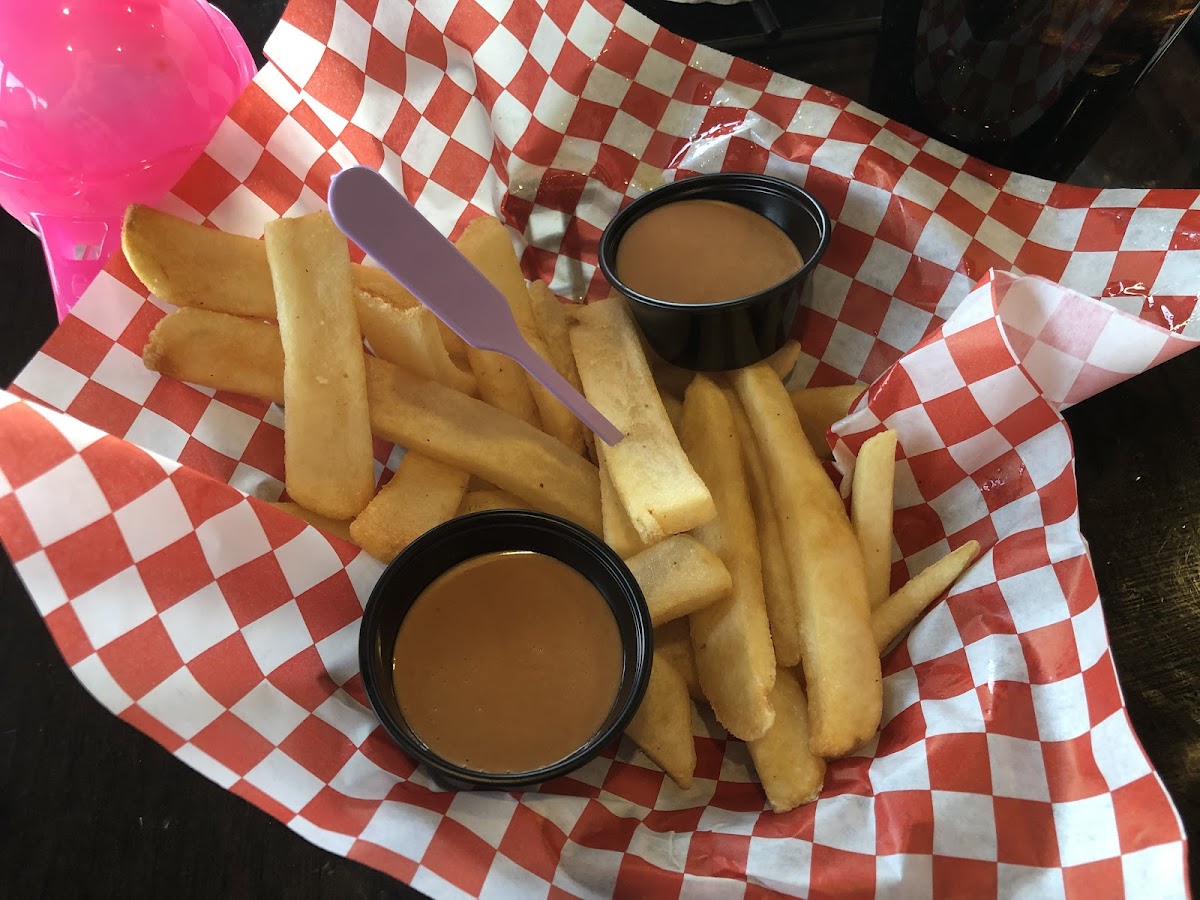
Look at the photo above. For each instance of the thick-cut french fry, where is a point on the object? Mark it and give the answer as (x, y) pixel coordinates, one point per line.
(674, 407)
(678, 577)
(673, 642)
(455, 346)
(557, 421)
(731, 638)
(382, 286)
(478, 501)
(619, 532)
(468, 434)
(338, 528)
(837, 647)
(659, 488)
(328, 462)
(871, 510)
(421, 495)
(220, 351)
(193, 266)
(410, 339)
(783, 610)
(896, 613)
(502, 383)
(190, 265)
(662, 726)
(790, 772)
(551, 318)
(458, 430)
(783, 360)
(819, 408)
(672, 381)
(487, 245)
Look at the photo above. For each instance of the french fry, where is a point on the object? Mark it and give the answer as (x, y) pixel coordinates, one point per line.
(790, 773)
(455, 346)
(660, 490)
(899, 611)
(478, 501)
(550, 317)
(778, 585)
(557, 421)
(443, 424)
(382, 286)
(673, 642)
(421, 495)
(487, 245)
(192, 266)
(783, 360)
(338, 528)
(328, 463)
(662, 726)
(678, 577)
(672, 381)
(731, 637)
(619, 532)
(468, 434)
(410, 339)
(502, 383)
(841, 665)
(220, 351)
(674, 407)
(819, 408)
(871, 510)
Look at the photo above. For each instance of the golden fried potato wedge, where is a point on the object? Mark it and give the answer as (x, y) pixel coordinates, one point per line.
(841, 664)
(731, 638)
(329, 463)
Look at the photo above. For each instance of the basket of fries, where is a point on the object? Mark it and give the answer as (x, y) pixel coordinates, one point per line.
(235, 435)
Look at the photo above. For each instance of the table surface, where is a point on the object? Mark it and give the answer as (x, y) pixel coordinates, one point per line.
(90, 807)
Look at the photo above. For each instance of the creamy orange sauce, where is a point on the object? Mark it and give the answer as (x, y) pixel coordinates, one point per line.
(507, 662)
(704, 251)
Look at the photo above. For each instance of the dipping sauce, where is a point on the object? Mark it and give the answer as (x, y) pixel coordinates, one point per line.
(507, 662)
(704, 251)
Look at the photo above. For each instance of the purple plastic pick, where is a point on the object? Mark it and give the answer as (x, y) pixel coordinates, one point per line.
(379, 219)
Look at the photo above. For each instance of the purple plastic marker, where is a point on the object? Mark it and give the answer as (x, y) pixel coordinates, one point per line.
(379, 219)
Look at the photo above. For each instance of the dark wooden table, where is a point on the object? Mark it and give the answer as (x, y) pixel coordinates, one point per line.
(91, 808)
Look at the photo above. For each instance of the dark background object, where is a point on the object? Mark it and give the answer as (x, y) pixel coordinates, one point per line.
(1023, 84)
(91, 808)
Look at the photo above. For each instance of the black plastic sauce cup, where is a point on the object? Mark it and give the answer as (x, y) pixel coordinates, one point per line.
(498, 531)
(712, 337)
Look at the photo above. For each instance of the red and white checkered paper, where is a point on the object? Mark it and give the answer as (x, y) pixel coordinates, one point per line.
(226, 630)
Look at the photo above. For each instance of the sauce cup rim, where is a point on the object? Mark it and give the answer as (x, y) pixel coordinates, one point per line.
(696, 187)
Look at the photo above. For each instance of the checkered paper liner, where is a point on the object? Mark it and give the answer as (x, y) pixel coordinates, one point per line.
(226, 630)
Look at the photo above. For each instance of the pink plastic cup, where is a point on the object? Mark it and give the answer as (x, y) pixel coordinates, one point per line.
(104, 103)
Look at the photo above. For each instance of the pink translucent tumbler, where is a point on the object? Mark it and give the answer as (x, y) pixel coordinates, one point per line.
(104, 103)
